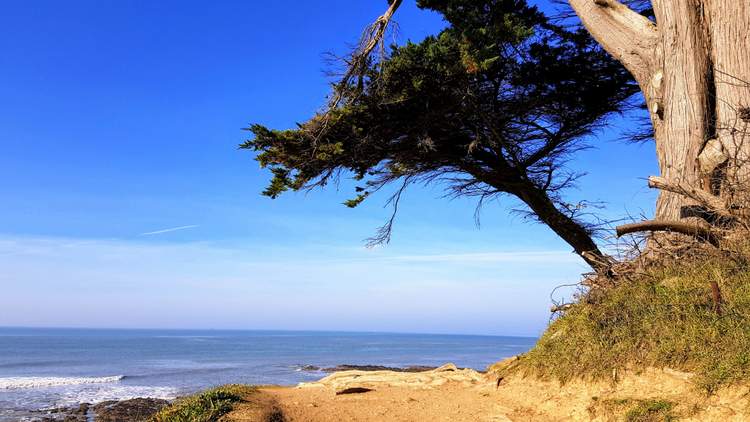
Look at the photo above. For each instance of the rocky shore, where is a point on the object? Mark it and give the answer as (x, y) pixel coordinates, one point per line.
(133, 410)
(346, 367)
(141, 409)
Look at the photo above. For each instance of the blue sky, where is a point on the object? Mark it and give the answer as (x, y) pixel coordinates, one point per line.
(125, 202)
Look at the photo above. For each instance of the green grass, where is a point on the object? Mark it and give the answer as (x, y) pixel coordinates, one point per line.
(633, 410)
(207, 406)
(662, 317)
(651, 411)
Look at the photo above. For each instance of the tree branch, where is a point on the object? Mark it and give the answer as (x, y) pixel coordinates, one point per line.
(705, 198)
(373, 36)
(693, 230)
(627, 35)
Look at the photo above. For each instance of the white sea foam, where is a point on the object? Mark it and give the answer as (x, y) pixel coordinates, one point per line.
(116, 392)
(16, 383)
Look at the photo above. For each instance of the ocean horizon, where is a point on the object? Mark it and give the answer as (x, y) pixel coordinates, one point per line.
(42, 368)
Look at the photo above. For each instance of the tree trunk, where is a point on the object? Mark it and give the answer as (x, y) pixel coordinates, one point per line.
(730, 53)
(564, 226)
(693, 67)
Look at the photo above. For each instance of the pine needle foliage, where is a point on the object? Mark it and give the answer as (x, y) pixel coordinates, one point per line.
(495, 104)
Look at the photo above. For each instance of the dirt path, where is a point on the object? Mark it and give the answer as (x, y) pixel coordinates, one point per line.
(398, 404)
(457, 396)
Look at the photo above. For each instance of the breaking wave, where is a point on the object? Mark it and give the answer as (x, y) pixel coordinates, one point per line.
(16, 383)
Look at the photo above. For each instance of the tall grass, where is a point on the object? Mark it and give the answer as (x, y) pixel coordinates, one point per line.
(663, 316)
(207, 406)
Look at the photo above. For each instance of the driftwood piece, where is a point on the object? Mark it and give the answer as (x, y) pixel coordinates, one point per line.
(697, 231)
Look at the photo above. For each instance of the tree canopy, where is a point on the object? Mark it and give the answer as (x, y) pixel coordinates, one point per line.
(495, 104)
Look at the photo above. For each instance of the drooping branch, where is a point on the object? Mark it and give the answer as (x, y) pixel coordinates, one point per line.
(628, 36)
(694, 230)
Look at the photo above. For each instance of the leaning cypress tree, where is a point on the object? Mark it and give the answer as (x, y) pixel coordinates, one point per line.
(494, 104)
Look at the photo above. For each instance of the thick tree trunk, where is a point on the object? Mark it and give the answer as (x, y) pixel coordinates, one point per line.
(693, 67)
(730, 54)
(564, 226)
(680, 106)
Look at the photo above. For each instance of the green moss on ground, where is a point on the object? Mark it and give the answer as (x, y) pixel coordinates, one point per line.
(207, 406)
(661, 317)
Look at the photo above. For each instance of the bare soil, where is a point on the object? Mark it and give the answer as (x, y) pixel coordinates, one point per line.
(514, 398)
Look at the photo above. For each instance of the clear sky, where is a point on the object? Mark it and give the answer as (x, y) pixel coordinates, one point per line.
(124, 201)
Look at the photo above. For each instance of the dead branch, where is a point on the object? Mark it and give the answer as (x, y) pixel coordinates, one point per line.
(373, 36)
(694, 230)
(560, 308)
(705, 198)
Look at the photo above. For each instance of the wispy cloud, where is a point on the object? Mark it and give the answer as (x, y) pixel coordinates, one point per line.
(265, 285)
(496, 257)
(172, 229)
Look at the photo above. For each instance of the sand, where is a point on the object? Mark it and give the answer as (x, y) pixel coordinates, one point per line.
(470, 396)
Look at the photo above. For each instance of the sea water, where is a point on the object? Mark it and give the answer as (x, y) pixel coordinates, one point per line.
(45, 368)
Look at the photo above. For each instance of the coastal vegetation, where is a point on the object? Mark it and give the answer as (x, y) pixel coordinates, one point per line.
(652, 410)
(207, 406)
(665, 315)
(496, 105)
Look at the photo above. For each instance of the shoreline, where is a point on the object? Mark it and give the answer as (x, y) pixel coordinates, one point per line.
(139, 408)
(446, 394)
(128, 410)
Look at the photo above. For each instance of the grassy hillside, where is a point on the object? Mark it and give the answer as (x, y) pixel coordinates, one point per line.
(664, 315)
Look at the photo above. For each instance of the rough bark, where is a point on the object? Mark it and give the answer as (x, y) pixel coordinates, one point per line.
(693, 67)
(730, 54)
(571, 231)
(706, 199)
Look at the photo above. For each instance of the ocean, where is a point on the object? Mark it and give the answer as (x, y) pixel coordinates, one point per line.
(43, 368)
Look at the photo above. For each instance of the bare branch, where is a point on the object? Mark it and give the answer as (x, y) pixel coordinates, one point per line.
(694, 230)
(383, 234)
(705, 198)
(560, 308)
(357, 65)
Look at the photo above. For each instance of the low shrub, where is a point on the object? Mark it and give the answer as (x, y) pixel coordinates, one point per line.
(207, 406)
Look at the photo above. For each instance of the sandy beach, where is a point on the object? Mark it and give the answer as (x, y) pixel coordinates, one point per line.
(465, 396)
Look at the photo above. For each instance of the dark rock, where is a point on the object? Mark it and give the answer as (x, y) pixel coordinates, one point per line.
(309, 368)
(134, 410)
(66, 414)
(378, 368)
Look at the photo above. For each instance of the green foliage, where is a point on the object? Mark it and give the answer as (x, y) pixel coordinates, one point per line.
(633, 410)
(207, 406)
(351, 203)
(663, 317)
(651, 411)
(492, 104)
